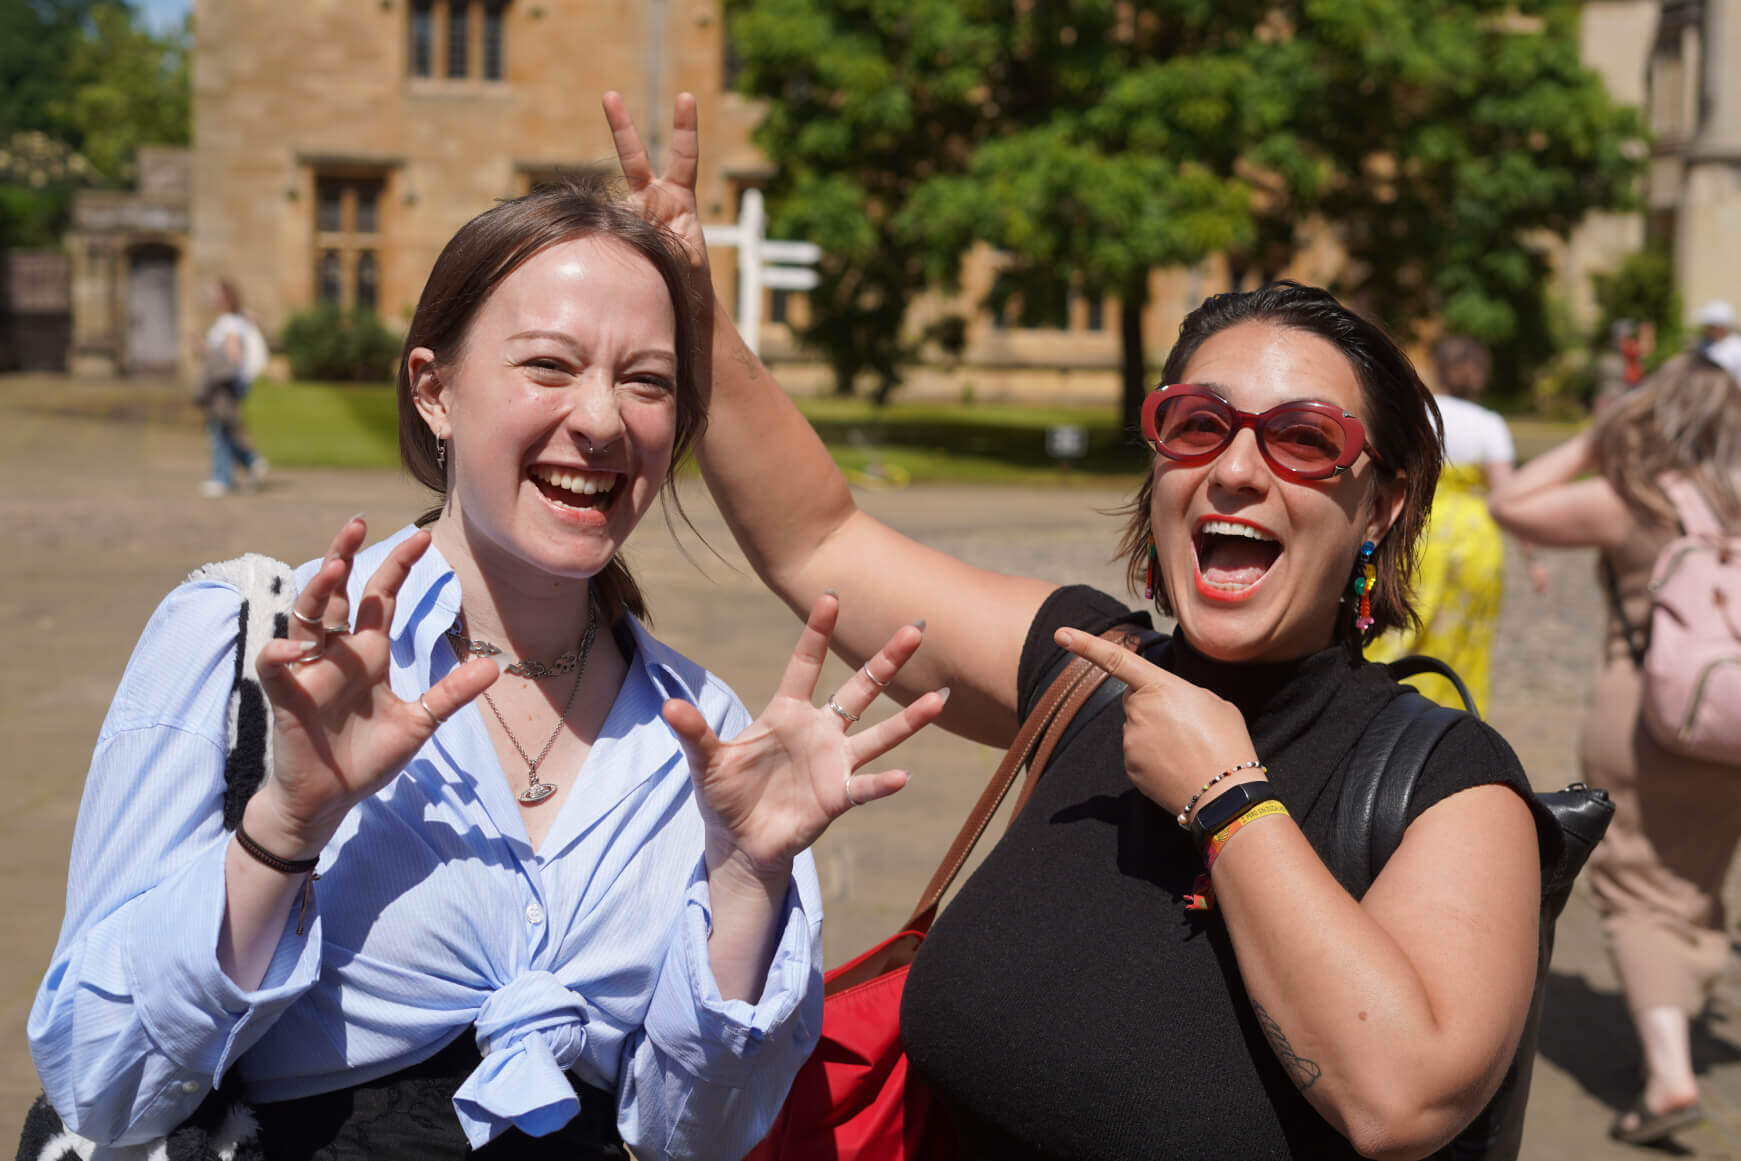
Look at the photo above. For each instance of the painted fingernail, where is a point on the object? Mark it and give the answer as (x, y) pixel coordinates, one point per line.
(307, 646)
(919, 624)
(944, 693)
(355, 518)
(831, 593)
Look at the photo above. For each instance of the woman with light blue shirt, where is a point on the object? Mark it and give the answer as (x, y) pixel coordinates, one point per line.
(504, 889)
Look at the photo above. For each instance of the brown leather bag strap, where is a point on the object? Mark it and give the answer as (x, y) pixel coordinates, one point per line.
(1038, 737)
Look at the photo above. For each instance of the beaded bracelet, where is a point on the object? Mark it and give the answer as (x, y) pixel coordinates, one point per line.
(1184, 816)
(1212, 849)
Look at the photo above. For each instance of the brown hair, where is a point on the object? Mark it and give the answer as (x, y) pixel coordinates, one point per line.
(230, 296)
(1402, 425)
(489, 248)
(1461, 365)
(1685, 418)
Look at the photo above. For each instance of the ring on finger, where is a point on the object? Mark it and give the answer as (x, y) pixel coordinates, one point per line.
(849, 796)
(314, 656)
(339, 630)
(433, 716)
(846, 715)
(307, 621)
(871, 677)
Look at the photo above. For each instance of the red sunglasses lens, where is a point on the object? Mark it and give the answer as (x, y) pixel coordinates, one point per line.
(1306, 441)
(1299, 439)
(1193, 425)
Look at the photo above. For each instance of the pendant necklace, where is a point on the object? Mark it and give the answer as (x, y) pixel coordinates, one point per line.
(535, 791)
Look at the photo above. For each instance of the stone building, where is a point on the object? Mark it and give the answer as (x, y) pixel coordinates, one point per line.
(1679, 61)
(131, 286)
(339, 143)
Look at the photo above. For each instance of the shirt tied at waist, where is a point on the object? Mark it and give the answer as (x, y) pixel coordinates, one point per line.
(530, 1032)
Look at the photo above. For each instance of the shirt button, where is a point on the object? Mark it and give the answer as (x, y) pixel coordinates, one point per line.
(534, 914)
(191, 1086)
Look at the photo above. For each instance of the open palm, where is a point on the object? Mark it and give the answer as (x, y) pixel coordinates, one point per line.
(772, 790)
(339, 732)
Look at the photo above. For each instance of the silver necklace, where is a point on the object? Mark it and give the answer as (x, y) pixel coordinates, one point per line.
(537, 791)
(536, 670)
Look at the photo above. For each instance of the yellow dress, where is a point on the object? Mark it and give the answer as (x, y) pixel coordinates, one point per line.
(1458, 589)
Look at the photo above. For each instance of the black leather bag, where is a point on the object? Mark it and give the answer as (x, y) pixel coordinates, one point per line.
(1370, 817)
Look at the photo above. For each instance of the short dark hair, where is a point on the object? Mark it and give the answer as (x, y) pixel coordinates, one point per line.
(1402, 425)
(1451, 354)
(489, 248)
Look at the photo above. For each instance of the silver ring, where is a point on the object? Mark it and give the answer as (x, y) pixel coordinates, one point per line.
(845, 716)
(868, 676)
(433, 716)
(309, 622)
(307, 657)
(849, 796)
(337, 630)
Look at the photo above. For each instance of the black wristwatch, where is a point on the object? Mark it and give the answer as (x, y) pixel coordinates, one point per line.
(1215, 814)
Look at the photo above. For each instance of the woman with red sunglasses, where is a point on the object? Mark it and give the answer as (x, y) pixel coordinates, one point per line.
(1070, 1002)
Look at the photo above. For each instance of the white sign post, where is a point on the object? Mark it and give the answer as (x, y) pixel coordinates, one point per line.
(769, 263)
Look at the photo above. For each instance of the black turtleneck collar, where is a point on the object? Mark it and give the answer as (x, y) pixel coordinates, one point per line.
(1304, 715)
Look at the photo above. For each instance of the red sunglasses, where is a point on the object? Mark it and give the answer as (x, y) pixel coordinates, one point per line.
(1302, 440)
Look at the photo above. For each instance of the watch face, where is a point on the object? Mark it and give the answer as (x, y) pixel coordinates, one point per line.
(1224, 809)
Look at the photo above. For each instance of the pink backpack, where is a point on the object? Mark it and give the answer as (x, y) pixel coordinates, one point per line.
(1692, 665)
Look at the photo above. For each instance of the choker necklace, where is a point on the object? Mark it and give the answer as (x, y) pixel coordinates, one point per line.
(537, 791)
(536, 670)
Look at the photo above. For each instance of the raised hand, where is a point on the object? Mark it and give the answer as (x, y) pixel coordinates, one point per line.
(771, 791)
(1176, 735)
(667, 201)
(339, 732)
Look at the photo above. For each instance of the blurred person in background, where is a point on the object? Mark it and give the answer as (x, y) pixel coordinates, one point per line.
(232, 357)
(1461, 580)
(1658, 876)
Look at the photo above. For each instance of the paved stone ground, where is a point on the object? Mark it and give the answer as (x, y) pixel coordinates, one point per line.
(100, 516)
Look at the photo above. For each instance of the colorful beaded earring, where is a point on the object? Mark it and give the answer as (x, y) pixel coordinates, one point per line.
(1364, 579)
(1154, 570)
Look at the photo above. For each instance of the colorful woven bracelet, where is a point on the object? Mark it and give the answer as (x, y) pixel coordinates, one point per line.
(1212, 849)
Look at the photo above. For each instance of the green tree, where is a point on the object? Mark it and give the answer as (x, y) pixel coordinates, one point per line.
(82, 86)
(1092, 141)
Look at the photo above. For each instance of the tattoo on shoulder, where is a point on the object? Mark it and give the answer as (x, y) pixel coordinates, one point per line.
(1303, 1072)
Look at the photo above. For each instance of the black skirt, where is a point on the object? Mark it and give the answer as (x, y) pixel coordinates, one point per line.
(410, 1115)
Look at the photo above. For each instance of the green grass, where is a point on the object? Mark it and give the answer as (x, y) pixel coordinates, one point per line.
(325, 425)
(352, 426)
(355, 426)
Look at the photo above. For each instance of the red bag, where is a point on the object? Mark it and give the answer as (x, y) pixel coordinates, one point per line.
(855, 1099)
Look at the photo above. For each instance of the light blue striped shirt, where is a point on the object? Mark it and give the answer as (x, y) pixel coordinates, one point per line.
(432, 915)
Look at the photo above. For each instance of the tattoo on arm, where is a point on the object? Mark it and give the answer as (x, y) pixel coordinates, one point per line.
(1303, 1072)
(748, 362)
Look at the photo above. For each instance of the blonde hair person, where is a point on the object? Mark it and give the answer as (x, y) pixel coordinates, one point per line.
(1658, 875)
(1460, 583)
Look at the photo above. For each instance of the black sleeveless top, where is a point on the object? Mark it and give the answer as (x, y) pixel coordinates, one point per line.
(1066, 1005)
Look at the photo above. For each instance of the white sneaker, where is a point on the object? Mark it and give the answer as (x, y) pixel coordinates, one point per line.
(214, 489)
(257, 470)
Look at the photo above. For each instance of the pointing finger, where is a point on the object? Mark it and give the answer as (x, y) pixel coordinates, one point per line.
(1118, 661)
